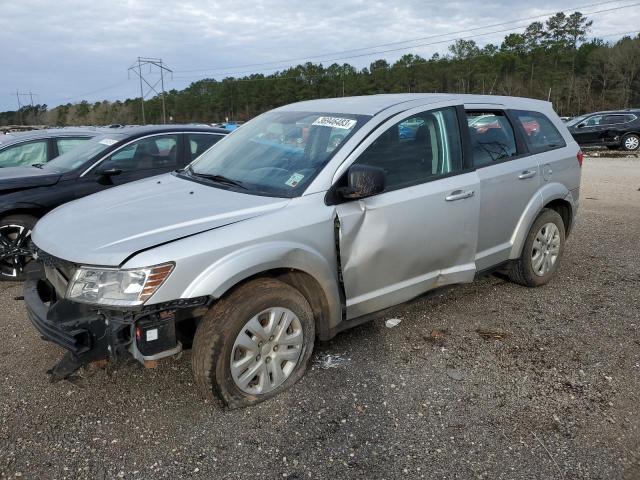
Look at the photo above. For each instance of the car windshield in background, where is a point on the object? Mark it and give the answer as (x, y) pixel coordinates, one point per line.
(276, 154)
(76, 157)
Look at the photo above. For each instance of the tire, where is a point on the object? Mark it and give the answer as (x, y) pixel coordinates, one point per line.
(523, 270)
(15, 231)
(630, 142)
(247, 316)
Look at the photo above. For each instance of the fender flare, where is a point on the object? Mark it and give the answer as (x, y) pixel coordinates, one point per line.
(232, 269)
(547, 193)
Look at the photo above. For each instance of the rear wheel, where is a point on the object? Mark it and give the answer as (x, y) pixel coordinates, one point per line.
(630, 142)
(540, 257)
(15, 253)
(253, 344)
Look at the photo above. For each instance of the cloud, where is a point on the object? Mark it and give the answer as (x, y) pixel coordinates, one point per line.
(70, 50)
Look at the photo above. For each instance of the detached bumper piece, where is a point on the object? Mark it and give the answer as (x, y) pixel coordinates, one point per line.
(90, 333)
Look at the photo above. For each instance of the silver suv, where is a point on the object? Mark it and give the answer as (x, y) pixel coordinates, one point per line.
(304, 222)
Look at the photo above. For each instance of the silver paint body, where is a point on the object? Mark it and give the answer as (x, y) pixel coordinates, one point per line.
(393, 246)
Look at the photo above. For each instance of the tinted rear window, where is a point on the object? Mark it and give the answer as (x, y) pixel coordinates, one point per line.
(539, 132)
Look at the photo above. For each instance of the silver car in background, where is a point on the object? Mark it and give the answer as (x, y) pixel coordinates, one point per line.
(304, 222)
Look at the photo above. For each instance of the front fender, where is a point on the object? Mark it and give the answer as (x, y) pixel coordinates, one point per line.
(232, 269)
(10, 208)
(547, 193)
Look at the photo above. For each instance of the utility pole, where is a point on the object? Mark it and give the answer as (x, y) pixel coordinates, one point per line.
(19, 107)
(137, 69)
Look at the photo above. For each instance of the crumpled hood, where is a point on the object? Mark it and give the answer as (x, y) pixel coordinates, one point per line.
(12, 178)
(107, 227)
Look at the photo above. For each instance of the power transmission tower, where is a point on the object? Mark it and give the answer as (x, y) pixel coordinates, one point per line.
(20, 105)
(137, 69)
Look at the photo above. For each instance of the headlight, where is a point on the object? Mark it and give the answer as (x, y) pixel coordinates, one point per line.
(105, 286)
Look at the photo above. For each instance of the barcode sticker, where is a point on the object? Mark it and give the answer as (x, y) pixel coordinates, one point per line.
(335, 122)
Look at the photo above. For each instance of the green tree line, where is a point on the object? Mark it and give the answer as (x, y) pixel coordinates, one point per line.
(551, 60)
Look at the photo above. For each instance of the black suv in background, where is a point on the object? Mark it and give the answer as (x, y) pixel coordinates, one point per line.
(618, 129)
(107, 160)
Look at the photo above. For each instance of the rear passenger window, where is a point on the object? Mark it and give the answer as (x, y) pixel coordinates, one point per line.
(540, 134)
(417, 149)
(492, 137)
(200, 142)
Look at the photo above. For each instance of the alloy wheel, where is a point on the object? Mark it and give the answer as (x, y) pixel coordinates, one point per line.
(631, 142)
(546, 248)
(266, 351)
(14, 250)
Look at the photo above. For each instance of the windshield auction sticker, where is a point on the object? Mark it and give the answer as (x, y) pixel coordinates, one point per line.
(108, 141)
(294, 179)
(335, 122)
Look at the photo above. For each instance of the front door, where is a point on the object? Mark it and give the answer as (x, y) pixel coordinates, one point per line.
(142, 158)
(420, 232)
(590, 130)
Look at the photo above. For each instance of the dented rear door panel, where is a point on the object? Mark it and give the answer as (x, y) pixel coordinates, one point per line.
(398, 244)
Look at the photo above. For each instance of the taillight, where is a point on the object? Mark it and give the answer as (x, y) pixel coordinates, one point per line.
(580, 157)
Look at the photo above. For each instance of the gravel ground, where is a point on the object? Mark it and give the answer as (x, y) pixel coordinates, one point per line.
(487, 380)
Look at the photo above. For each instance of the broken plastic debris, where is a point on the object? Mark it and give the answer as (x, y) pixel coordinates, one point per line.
(392, 322)
(335, 360)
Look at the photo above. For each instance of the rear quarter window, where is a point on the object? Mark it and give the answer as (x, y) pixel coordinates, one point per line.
(539, 132)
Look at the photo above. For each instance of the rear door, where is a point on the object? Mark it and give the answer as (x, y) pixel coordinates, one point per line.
(420, 232)
(509, 177)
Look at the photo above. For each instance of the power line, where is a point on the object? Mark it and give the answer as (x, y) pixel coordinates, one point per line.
(327, 74)
(405, 41)
(109, 87)
(378, 52)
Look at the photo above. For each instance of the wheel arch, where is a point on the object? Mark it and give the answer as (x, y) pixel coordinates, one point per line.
(32, 210)
(552, 195)
(297, 265)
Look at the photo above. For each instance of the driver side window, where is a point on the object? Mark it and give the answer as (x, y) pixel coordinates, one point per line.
(160, 151)
(417, 149)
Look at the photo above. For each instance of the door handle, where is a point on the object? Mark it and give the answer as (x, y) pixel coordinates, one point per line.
(459, 195)
(527, 174)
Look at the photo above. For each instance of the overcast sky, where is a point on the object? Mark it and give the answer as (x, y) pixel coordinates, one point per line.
(70, 50)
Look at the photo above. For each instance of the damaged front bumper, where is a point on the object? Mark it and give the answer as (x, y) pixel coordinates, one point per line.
(91, 333)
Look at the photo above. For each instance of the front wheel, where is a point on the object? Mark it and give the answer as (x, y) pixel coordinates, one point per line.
(254, 343)
(15, 254)
(542, 251)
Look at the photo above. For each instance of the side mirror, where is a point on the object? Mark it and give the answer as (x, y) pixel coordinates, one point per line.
(363, 181)
(109, 172)
(581, 125)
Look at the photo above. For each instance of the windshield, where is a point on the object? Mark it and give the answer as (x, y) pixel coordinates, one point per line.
(76, 157)
(576, 121)
(277, 153)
